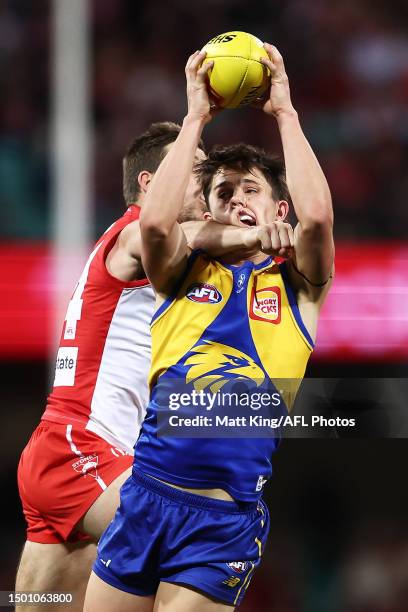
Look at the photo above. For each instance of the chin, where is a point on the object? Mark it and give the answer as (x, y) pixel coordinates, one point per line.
(236, 221)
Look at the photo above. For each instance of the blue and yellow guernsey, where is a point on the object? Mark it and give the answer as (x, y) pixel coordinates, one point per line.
(224, 327)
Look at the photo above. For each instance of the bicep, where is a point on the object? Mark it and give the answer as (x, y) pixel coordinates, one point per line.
(124, 259)
(314, 253)
(165, 258)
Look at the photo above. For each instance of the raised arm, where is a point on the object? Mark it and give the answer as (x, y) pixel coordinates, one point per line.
(164, 246)
(313, 235)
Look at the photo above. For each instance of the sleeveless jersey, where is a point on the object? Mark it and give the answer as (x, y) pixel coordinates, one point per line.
(104, 354)
(223, 325)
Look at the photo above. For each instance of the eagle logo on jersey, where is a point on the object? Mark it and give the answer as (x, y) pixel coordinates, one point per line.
(212, 365)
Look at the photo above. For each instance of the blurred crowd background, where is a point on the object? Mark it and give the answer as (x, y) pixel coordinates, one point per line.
(347, 61)
(339, 536)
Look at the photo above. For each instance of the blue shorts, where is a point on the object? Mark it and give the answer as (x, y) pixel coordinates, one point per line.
(160, 533)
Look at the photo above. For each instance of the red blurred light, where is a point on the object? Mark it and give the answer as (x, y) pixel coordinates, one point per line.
(365, 316)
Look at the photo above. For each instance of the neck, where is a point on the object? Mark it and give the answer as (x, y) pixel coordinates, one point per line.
(239, 257)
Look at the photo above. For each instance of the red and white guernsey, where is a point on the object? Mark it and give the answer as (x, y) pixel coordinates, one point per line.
(103, 358)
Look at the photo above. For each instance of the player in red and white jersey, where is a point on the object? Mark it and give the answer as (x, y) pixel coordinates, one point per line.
(104, 352)
(72, 468)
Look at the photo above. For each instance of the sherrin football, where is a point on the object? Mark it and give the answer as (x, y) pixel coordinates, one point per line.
(238, 77)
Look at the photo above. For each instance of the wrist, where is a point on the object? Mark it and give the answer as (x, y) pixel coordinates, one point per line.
(195, 119)
(250, 237)
(286, 115)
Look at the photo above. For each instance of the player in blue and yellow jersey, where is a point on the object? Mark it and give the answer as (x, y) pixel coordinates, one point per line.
(192, 526)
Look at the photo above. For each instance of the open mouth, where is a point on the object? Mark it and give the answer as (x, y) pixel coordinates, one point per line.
(247, 219)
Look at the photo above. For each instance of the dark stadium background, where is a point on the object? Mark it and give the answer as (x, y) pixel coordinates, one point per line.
(339, 501)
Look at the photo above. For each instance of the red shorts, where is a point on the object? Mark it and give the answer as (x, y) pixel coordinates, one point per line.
(62, 471)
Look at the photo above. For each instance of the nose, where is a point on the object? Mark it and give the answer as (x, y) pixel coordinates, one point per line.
(238, 199)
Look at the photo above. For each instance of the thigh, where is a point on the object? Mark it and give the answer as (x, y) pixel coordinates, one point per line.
(177, 598)
(128, 550)
(215, 553)
(56, 567)
(63, 472)
(102, 597)
(103, 509)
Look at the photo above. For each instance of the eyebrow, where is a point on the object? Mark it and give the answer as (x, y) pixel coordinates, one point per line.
(226, 183)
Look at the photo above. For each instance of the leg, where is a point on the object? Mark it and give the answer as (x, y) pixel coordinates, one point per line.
(103, 509)
(55, 567)
(67, 566)
(102, 597)
(176, 598)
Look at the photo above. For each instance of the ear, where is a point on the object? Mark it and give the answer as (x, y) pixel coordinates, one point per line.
(144, 178)
(207, 216)
(282, 209)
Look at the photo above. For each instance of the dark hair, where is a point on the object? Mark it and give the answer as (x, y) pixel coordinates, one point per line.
(243, 158)
(146, 152)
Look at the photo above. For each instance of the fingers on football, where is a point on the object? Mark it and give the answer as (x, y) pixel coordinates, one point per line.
(194, 61)
(266, 61)
(203, 71)
(276, 59)
(274, 55)
(190, 59)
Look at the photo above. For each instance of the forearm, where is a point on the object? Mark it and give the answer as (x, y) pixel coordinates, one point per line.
(165, 197)
(217, 239)
(305, 179)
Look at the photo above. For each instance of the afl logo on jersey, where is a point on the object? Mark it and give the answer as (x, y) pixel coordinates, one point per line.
(203, 293)
(239, 566)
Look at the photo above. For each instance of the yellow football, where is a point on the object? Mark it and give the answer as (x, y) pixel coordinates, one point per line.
(238, 77)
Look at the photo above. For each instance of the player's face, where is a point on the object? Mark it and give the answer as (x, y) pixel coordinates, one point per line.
(194, 203)
(243, 198)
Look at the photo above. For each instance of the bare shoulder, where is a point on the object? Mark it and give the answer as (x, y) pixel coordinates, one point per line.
(124, 259)
(129, 239)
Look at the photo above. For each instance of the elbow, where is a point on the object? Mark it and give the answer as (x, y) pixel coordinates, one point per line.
(317, 226)
(320, 218)
(153, 228)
